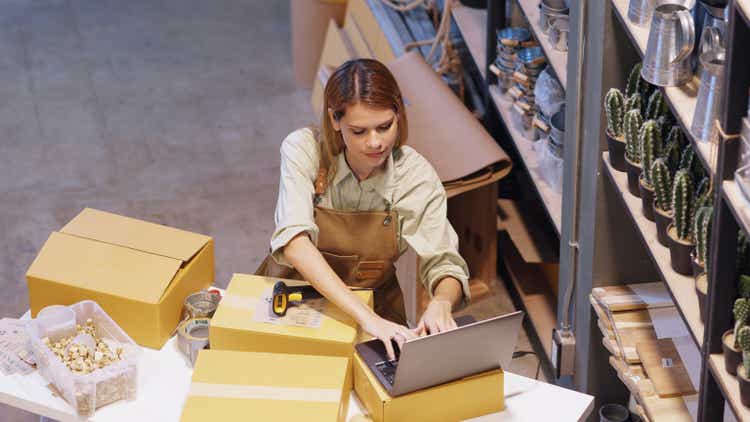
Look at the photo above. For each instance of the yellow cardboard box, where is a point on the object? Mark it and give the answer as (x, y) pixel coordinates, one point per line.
(140, 273)
(458, 400)
(244, 386)
(360, 16)
(234, 326)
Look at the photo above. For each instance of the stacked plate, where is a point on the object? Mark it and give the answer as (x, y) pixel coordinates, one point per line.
(529, 64)
(509, 42)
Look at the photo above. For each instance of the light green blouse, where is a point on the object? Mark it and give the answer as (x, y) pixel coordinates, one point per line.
(409, 184)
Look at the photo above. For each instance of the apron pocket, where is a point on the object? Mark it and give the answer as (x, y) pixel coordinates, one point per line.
(345, 266)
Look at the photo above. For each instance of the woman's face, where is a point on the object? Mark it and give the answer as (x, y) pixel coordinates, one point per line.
(369, 135)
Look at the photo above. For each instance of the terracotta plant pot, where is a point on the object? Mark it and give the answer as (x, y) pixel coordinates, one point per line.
(701, 289)
(634, 174)
(663, 219)
(679, 252)
(616, 152)
(732, 356)
(744, 386)
(698, 267)
(647, 199)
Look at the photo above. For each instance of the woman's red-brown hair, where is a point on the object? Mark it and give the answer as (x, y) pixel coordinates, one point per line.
(364, 81)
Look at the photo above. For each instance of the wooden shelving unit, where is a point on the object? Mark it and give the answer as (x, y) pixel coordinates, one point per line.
(682, 99)
(532, 294)
(681, 287)
(473, 26)
(558, 60)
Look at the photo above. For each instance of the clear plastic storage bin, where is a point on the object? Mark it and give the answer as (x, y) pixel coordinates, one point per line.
(86, 392)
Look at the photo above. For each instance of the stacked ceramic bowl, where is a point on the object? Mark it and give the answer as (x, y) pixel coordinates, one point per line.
(509, 42)
(554, 20)
(529, 64)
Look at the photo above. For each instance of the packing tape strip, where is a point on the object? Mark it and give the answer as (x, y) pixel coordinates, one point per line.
(201, 305)
(188, 343)
(260, 392)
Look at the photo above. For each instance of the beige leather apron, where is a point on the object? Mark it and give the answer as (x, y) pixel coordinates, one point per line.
(361, 247)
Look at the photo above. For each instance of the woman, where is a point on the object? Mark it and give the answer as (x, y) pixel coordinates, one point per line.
(353, 197)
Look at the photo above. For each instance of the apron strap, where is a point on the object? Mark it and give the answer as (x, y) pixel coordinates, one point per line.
(321, 184)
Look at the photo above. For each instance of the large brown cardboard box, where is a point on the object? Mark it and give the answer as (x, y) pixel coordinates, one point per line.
(140, 273)
(309, 19)
(336, 50)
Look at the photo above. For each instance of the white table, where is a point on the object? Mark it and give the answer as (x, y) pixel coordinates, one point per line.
(164, 379)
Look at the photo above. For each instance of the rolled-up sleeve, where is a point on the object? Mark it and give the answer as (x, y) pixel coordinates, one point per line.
(294, 207)
(425, 227)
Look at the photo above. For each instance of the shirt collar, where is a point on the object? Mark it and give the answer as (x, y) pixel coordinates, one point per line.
(381, 183)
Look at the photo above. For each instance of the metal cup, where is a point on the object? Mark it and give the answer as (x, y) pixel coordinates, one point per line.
(547, 16)
(558, 35)
(670, 42)
(708, 105)
(557, 127)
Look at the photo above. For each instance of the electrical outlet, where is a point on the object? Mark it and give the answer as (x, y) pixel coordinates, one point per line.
(563, 352)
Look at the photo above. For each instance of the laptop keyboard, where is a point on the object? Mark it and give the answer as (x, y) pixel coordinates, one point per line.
(388, 369)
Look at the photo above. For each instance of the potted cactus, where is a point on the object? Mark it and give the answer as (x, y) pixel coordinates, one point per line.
(730, 345)
(614, 105)
(661, 178)
(657, 107)
(651, 149)
(702, 233)
(673, 146)
(637, 85)
(633, 102)
(632, 125)
(702, 200)
(743, 370)
(679, 233)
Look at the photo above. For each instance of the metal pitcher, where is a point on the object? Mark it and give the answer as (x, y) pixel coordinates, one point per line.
(670, 42)
(640, 11)
(708, 105)
(710, 14)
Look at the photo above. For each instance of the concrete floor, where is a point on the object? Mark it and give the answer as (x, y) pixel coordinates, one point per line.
(171, 111)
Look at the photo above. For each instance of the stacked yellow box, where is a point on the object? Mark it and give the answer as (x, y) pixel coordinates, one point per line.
(458, 400)
(236, 326)
(230, 386)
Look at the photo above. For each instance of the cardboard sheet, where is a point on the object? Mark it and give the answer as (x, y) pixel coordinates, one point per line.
(442, 129)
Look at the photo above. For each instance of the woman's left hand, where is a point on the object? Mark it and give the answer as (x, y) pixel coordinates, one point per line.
(436, 318)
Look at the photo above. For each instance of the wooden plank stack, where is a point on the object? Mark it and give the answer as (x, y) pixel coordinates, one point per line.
(650, 345)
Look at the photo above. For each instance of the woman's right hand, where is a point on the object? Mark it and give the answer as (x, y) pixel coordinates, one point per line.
(385, 331)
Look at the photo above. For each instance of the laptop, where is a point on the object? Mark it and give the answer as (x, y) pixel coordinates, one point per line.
(470, 349)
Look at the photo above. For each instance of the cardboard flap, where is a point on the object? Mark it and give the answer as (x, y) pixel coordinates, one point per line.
(103, 267)
(441, 128)
(136, 234)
